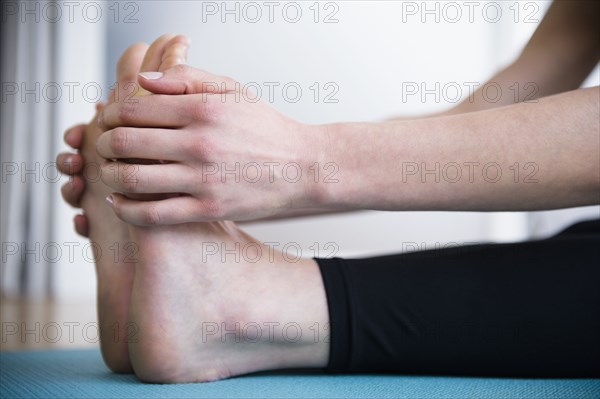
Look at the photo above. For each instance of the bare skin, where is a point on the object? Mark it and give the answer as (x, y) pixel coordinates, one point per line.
(481, 140)
(559, 56)
(527, 156)
(204, 315)
(117, 252)
(174, 329)
(174, 317)
(178, 302)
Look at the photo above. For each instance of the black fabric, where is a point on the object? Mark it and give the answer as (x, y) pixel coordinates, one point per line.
(528, 309)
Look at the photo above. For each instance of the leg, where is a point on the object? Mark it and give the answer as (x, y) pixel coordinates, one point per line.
(504, 310)
(202, 314)
(117, 252)
(528, 309)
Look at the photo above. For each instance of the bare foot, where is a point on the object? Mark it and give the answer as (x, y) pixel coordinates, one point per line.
(203, 314)
(115, 251)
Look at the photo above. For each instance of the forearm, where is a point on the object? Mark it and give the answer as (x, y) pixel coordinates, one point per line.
(562, 52)
(546, 154)
(519, 82)
(301, 213)
(534, 75)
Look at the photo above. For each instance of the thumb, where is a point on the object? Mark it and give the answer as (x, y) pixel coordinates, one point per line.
(184, 79)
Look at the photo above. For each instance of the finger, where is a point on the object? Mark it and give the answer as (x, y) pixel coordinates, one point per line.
(128, 67)
(146, 179)
(184, 79)
(153, 58)
(69, 163)
(175, 53)
(73, 190)
(156, 111)
(166, 51)
(157, 144)
(151, 213)
(82, 226)
(74, 136)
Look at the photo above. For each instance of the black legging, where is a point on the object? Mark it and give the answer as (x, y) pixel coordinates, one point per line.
(528, 309)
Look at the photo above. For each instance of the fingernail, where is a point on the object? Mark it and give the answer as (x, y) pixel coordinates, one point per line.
(151, 75)
(110, 200)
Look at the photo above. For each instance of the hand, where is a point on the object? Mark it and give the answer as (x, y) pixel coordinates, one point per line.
(229, 158)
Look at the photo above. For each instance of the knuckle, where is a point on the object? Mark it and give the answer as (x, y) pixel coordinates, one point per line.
(151, 216)
(120, 142)
(181, 69)
(200, 147)
(130, 184)
(208, 109)
(211, 208)
(127, 112)
(208, 176)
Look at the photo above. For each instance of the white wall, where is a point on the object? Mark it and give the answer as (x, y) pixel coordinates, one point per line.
(80, 59)
(368, 54)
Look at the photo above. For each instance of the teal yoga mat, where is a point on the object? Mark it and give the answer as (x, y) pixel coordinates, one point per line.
(82, 374)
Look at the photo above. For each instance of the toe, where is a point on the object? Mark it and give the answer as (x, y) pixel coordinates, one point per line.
(73, 190)
(69, 163)
(81, 225)
(74, 136)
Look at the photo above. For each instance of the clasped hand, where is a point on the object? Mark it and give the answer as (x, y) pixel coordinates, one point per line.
(216, 154)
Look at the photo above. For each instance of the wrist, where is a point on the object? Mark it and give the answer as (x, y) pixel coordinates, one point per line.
(358, 164)
(331, 151)
(319, 166)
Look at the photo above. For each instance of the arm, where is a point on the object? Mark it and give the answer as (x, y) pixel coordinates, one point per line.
(559, 56)
(555, 142)
(562, 52)
(541, 155)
